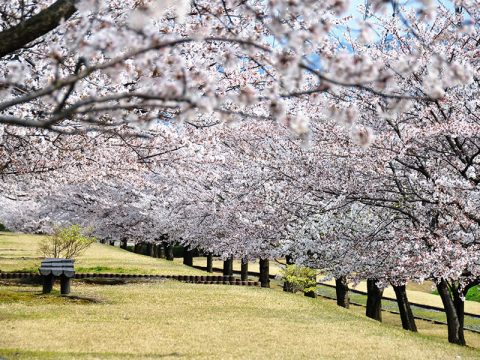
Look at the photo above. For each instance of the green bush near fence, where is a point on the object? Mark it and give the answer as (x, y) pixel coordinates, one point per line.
(473, 294)
(300, 278)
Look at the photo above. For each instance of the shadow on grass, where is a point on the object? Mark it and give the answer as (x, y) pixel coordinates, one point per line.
(23, 354)
(102, 281)
(34, 298)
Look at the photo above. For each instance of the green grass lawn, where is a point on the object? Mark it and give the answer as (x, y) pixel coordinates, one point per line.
(176, 320)
(151, 320)
(417, 293)
(470, 322)
(19, 252)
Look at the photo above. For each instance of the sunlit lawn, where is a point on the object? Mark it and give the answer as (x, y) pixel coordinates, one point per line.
(417, 293)
(470, 322)
(170, 320)
(177, 320)
(19, 252)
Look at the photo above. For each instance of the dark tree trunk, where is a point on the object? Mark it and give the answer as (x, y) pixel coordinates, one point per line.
(288, 287)
(406, 314)
(160, 251)
(210, 262)
(264, 273)
(111, 242)
(454, 311)
(228, 267)
(141, 248)
(188, 257)
(149, 249)
(136, 248)
(374, 300)
(244, 270)
(168, 251)
(123, 244)
(341, 288)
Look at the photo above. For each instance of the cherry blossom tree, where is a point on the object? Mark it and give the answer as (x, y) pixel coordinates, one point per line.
(360, 156)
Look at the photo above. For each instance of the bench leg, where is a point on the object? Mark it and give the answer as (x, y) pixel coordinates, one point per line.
(47, 283)
(64, 285)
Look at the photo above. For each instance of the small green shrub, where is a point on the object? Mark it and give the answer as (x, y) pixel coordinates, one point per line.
(473, 294)
(3, 228)
(66, 242)
(300, 278)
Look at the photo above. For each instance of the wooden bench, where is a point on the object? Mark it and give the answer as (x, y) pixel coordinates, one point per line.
(61, 268)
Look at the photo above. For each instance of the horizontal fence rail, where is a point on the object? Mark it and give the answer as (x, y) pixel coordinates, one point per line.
(194, 279)
(422, 306)
(398, 313)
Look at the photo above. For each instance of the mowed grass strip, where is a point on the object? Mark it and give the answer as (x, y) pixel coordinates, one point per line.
(19, 252)
(177, 320)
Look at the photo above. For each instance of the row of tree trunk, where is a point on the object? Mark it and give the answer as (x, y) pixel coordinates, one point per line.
(264, 277)
(160, 250)
(165, 250)
(450, 292)
(374, 300)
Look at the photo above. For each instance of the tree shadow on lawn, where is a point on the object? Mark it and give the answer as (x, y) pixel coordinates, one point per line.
(21, 354)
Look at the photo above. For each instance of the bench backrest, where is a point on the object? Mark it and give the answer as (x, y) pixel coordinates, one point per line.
(57, 267)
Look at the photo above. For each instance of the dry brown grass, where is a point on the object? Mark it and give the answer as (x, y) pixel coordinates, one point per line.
(175, 320)
(417, 293)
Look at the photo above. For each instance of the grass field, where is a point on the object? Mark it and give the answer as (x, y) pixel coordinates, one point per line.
(19, 252)
(470, 322)
(176, 320)
(151, 320)
(417, 293)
